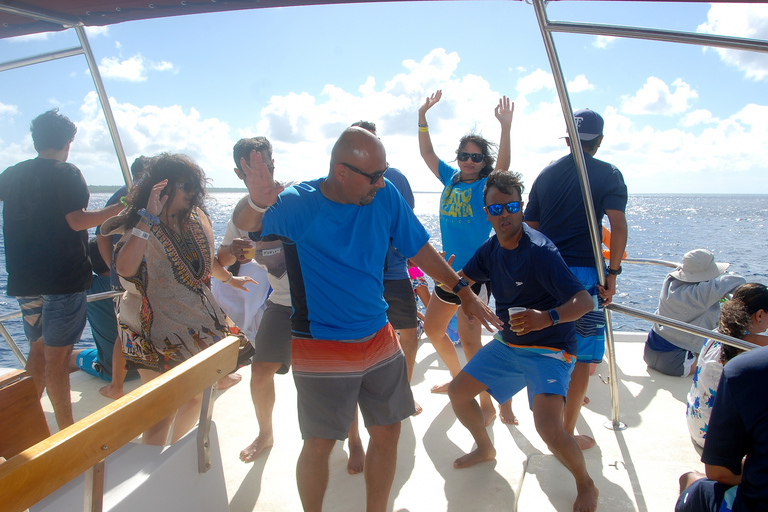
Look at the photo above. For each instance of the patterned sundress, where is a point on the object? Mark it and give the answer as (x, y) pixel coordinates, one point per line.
(168, 313)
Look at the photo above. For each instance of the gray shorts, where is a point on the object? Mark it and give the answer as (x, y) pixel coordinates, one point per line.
(402, 303)
(333, 377)
(273, 339)
(677, 363)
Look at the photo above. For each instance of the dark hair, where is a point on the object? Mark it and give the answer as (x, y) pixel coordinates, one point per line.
(590, 145)
(366, 125)
(51, 130)
(506, 181)
(139, 166)
(243, 148)
(488, 149)
(174, 167)
(736, 315)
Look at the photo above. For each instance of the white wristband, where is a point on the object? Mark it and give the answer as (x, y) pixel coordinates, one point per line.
(144, 235)
(231, 275)
(257, 208)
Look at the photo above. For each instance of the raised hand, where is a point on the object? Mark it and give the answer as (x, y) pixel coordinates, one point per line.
(504, 111)
(262, 188)
(431, 102)
(242, 249)
(155, 204)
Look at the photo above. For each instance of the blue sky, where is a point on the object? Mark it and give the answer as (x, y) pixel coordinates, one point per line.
(679, 118)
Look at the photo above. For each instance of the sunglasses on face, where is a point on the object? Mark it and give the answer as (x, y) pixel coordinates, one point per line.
(374, 177)
(497, 209)
(186, 187)
(463, 156)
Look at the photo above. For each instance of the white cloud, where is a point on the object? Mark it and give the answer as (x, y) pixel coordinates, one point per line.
(697, 117)
(535, 81)
(603, 41)
(655, 97)
(303, 128)
(8, 110)
(740, 20)
(580, 84)
(97, 31)
(40, 36)
(132, 69)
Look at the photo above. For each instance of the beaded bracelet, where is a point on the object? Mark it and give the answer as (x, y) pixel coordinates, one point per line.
(151, 219)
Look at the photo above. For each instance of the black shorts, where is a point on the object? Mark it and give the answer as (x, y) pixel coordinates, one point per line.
(402, 303)
(452, 298)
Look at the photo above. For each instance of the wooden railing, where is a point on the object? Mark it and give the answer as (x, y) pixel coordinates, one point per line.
(38, 471)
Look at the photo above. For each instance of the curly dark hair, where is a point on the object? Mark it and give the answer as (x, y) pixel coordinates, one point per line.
(506, 181)
(174, 167)
(488, 149)
(736, 315)
(51, 130)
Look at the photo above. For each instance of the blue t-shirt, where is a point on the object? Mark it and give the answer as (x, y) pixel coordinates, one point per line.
(555, 202)
(739, 426)
(334, 257)
(396, 266)
(533, 276)
(463, 224)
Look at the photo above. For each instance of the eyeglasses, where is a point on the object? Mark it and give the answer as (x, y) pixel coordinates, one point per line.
(185, 186)
(497, 209)
(463, 156)
(374, 177)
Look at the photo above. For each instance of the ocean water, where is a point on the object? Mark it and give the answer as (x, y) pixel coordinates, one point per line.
(661, 227)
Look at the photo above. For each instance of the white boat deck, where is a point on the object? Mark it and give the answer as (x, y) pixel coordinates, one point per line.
(635, 469)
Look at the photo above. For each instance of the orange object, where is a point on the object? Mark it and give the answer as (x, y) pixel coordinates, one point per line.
(607, 245)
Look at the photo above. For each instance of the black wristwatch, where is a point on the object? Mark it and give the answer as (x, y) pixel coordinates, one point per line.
(614, 272)
(555, 316)
(461, 284)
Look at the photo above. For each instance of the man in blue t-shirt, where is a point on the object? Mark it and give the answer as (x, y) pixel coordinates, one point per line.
(736, 453)
(556, 208)
(398, 291)
(537, 348)
(336, 232)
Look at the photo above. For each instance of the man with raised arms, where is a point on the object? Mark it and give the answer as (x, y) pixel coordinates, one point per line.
(336, 231)
(537, 347)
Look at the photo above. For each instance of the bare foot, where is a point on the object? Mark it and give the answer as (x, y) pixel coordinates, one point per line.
(109, 392)
(474, 457)
(586, 498)
(356, 461)
(585, 401)
(440, 388)
(228, 381)
(254, 449)
(419, 410)
(584, 442)
(506, 415)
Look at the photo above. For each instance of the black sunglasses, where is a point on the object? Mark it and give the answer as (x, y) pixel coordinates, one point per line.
(463, 156)
(185, 186)
(497, 209)
(374, 177)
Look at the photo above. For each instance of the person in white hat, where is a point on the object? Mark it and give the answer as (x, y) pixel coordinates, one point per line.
(691, 293)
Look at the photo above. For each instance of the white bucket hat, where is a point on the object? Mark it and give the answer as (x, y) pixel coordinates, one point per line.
(699, 265)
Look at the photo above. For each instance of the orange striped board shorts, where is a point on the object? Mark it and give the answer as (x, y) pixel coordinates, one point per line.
(333, 377)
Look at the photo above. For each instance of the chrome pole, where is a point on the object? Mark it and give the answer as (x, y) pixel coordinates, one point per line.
(104, 100)
(586, 194)
(37, 59)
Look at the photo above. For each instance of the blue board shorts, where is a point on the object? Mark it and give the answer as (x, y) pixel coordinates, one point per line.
(707, 495)
(590, 328)
(58, 320)
(506, 370)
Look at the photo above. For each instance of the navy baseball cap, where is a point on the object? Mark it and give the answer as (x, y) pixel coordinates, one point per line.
(588, 123)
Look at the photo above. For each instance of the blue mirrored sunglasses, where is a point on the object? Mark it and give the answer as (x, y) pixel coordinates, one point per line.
(497, 209)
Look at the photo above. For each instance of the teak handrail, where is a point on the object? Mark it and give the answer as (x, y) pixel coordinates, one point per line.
(38, 471)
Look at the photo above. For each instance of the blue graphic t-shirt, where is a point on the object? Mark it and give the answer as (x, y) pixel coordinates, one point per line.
(463, 224)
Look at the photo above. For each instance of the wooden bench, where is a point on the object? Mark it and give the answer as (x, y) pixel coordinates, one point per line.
(22, 421)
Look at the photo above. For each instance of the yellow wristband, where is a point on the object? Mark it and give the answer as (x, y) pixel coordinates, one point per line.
(423, 128)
